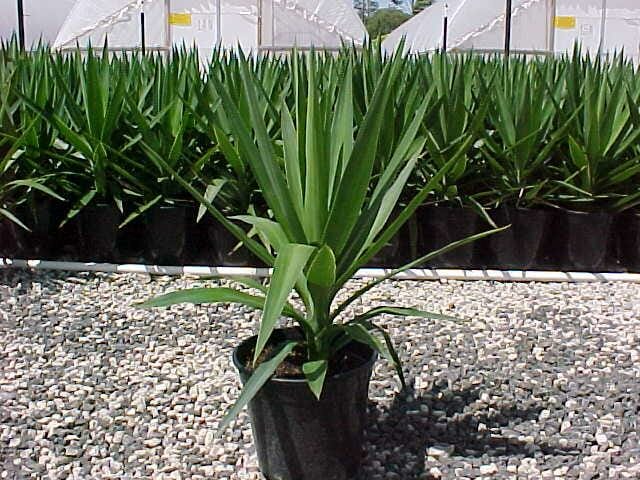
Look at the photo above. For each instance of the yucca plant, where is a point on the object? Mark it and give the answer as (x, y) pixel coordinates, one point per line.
(331, 215)
(158, 115)
(23, 136)
(94, 90)
(600, 155)
(455, 123)
(525, 98)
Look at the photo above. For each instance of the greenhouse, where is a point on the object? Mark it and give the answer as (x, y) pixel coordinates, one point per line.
(161, 24)
(537, 27)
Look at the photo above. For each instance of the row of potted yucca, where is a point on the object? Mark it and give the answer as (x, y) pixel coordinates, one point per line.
(521, 133)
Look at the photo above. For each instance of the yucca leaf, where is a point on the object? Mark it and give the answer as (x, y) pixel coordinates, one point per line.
(289, 265)
(260, 376)
(315, 372)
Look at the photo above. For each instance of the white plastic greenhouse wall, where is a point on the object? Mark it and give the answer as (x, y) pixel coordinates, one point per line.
(42, 19)
(252, 24)
(538, 26)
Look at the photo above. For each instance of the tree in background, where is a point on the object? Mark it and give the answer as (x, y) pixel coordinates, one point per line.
(384, 21)
(366, 8)
(418, 5)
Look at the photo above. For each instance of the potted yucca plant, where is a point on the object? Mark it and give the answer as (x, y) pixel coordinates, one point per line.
(306, 387)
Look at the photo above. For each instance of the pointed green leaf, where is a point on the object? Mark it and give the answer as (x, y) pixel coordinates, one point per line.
(204, 295)
(315, 371)
(288, 267)
(260, 376)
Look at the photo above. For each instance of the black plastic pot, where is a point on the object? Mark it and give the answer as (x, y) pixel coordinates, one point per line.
(388, 256)
(223, 243)
(519, 246)
(43, 218)
(7, 239)
(300, 438)
(99, 232)
(439, 226)
(626, 242)
(132, 242)
(587, 235)
(166, 234)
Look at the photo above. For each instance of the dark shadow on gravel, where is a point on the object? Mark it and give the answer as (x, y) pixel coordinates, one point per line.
(456, 423)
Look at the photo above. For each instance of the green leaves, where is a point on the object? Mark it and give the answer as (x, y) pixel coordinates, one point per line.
(287, 269)
(260, 376)
(198, 296)
(322, 270)
(315, 372)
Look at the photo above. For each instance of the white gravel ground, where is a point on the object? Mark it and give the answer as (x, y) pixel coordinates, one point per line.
(540, 381)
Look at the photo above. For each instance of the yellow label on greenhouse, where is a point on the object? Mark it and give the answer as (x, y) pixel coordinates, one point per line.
(180, 19)
(565, 22)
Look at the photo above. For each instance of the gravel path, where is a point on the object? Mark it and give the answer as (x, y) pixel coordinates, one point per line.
(542, 381)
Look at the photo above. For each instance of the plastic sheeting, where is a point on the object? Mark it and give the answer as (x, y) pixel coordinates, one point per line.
(545, 26)
(251, 24)
(42, 19)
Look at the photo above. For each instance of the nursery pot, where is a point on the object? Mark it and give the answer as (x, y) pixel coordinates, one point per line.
(518, 246)
(166, 234)
(99, 232)
(7, 238)
(439, 226)
(223, 243)
(626, 237)
(588, 236)
(388, 255)
(298, 437)
(42, 218)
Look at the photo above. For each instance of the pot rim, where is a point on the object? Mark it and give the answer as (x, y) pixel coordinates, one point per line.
(367, 365)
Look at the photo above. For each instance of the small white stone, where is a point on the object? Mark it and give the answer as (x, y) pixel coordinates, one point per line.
(488, 469)
(440, 450)
(602, 439)
(152, 442)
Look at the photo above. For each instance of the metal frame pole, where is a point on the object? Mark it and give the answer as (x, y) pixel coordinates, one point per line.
(445, 27)
(219, 21)
(167, 12)
(21, 39)
(603, 22)
(551, 34)
(143, 40)
(507, 28)
(259, 23)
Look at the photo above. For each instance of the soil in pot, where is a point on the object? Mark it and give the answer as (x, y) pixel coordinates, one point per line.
(99, 232)
(518, 246)
(166, 234)
(588, 235)
(298, 437)
(439, 226)
(626, 242)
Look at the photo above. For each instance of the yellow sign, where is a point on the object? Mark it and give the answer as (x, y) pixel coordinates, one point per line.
(565, 22)
(180, 19)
